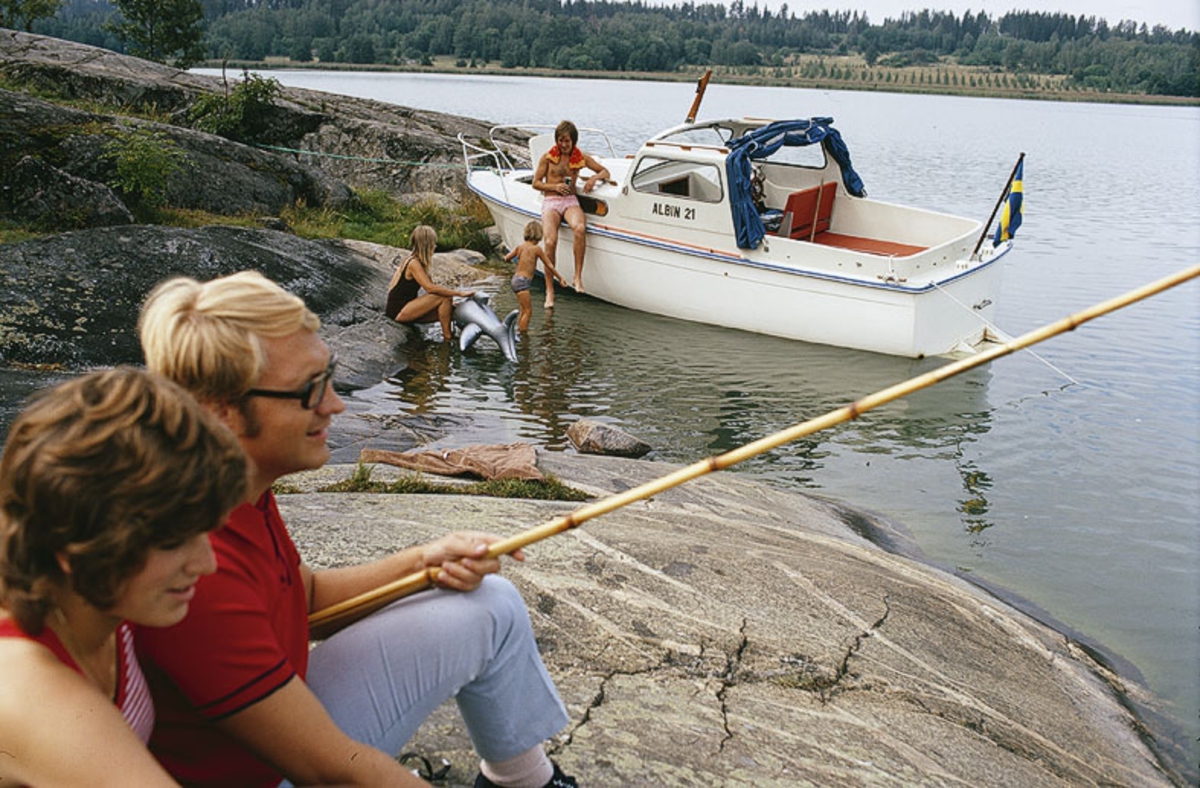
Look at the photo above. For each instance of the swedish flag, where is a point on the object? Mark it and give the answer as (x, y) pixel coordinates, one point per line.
(1010, 218)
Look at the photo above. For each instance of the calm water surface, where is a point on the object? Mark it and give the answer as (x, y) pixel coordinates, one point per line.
(1071, 477)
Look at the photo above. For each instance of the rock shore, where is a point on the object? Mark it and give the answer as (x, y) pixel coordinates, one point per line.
(72, 299)
(723, 633)
(726, 633)
(315, 146)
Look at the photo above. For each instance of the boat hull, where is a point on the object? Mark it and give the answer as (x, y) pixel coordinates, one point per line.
(747, 291)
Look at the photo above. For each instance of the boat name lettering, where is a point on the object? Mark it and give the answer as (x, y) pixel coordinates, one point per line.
(673, 211)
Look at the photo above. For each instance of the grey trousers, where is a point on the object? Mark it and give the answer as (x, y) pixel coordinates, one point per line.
(379, 678)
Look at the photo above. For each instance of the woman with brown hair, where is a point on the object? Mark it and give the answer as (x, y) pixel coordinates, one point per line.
(109, 486)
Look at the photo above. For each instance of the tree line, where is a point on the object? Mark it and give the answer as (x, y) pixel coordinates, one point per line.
(602, 35)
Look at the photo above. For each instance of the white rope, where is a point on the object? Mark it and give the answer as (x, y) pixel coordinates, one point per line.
(1001, 333)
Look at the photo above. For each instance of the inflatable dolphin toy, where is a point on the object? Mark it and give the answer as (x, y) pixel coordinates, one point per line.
(475, 317)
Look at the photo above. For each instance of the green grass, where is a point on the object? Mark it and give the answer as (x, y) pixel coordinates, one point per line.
(552, 489)
(374, 215)
(192, 219)
(379, 218)
(11, 232)
(47, 90)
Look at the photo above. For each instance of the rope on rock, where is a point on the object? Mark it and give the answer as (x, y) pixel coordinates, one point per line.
(368, 159)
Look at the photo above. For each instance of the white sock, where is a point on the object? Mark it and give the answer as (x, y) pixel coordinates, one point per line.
(530, 769)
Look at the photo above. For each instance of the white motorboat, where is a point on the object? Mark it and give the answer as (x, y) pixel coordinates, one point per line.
(761, 226)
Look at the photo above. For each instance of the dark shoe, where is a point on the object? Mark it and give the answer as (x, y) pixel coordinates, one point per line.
(421, 767)
(559, 780)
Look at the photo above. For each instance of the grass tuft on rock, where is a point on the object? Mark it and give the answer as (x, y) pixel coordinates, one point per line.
(377, 217)
(552, 489)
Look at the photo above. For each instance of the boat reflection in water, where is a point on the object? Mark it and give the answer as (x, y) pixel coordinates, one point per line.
(692, 391)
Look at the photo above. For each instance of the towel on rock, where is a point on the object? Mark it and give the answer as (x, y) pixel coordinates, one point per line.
(498, 461)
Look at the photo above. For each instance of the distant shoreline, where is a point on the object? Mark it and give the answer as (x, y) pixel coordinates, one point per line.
(730, 76)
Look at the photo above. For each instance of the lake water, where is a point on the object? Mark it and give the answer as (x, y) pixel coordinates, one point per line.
(1070, 477)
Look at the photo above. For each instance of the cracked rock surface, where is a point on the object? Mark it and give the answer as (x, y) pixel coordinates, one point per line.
(727, 633)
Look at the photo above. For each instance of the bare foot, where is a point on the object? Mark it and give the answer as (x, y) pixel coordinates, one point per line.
(578, 285)
(549, 303)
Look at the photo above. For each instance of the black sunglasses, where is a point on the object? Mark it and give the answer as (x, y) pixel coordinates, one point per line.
(310, 395)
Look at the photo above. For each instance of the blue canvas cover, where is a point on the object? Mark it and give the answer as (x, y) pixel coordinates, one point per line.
(761, 143)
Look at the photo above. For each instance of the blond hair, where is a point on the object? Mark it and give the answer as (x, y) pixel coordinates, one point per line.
(533, 232)
(423, 243)
(207, 336)
(98, 471)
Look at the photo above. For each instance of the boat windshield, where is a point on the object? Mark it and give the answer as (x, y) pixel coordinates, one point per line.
(714, 136)
(812, 156)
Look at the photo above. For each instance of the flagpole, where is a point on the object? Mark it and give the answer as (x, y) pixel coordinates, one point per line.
(999, 202)
(701, 86)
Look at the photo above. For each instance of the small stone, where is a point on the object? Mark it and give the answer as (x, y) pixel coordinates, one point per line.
(594, 437)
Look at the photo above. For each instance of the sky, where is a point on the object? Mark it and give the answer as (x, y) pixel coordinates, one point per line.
(1172, 13)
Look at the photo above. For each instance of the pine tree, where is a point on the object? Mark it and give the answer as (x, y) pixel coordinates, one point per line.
(166, 31)
(23, 13)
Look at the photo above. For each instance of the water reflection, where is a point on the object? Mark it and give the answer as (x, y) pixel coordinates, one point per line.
(974, 507)
(425, 375)
(550, 374)
(692, 390)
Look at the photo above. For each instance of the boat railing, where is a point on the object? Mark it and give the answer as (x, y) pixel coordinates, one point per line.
(479, 158)
(495, 159)
(686, 146)
(542, 128)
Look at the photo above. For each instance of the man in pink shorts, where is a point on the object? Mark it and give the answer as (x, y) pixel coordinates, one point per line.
(556, 177)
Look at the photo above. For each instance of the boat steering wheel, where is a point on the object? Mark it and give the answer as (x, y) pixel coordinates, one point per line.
(757, 188)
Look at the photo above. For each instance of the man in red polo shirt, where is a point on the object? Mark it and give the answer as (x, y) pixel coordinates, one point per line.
(242, 700)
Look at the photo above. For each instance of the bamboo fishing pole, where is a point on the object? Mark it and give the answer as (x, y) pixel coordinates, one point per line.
(328, 620)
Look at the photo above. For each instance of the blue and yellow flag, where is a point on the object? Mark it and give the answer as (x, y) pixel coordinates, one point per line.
(1010, 218)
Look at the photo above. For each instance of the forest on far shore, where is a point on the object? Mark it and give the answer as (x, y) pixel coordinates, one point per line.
(1016, 53)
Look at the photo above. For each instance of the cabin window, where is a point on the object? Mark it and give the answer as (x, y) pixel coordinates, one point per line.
(686, 179)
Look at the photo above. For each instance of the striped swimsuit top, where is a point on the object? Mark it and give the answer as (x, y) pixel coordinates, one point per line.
(133, 695)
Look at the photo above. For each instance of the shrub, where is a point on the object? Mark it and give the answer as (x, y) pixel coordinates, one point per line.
(145, 162)
(242, 114)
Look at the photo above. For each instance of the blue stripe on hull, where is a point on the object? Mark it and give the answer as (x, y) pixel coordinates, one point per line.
(739, 260)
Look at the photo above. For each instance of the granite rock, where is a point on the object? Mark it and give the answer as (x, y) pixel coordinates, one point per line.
(728, 633)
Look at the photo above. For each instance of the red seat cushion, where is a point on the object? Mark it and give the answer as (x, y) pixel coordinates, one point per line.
(811, 206)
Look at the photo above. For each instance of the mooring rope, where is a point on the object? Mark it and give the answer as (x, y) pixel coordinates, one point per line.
(1003, 335)
(367, 159)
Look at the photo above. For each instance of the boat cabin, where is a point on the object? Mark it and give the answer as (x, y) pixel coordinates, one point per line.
(766, 181)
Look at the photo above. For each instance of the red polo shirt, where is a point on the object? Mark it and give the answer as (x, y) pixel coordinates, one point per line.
(244, 637)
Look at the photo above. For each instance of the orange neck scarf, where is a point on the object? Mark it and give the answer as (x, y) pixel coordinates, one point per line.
(574, 163)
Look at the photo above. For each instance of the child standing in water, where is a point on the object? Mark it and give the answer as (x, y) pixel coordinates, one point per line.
(527, 256)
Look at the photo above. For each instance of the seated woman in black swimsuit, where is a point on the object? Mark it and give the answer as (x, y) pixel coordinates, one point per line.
(404, 304)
